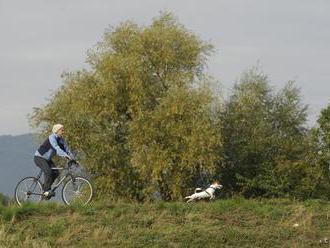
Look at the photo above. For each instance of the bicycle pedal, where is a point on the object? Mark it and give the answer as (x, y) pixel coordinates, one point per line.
(51, 194)
(46, 198)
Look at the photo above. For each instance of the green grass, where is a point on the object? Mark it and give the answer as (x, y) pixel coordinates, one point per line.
(224, 223)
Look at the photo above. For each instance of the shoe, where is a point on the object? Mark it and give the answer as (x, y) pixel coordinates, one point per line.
(48, 194)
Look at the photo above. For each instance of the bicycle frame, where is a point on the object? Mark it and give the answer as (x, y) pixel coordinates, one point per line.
(58, 184)
(74, 187)
(62, 179)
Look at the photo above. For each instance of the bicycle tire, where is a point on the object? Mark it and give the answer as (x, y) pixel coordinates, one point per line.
(75, 197)
(31, 193)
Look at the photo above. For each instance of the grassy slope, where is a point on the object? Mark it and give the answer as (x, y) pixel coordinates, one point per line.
(223, 223)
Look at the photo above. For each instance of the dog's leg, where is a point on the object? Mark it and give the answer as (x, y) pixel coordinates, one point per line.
(190, 200)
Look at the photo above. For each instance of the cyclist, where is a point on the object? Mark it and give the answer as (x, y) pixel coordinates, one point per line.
(53, 145)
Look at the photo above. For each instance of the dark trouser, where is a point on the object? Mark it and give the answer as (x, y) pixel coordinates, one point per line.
(50, 175)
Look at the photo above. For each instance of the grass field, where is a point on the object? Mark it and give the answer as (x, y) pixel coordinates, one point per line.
(233, 222)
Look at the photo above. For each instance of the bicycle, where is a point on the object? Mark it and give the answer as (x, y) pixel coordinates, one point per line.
(76, 189)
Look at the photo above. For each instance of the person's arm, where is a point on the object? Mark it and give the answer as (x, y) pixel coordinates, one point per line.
(68, 151)
(59, 151)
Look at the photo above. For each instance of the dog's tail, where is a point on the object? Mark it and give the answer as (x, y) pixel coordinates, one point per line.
(197, 190)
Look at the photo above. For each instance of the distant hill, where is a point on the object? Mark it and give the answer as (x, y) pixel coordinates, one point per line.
(16, 160)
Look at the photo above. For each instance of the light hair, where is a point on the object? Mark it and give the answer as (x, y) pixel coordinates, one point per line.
(56, 128)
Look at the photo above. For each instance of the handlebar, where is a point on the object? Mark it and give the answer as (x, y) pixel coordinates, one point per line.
(72, 162)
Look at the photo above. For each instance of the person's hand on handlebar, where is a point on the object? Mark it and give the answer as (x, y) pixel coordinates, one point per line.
(71, 160)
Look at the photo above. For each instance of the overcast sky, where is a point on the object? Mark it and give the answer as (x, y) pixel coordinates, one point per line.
(39, 39)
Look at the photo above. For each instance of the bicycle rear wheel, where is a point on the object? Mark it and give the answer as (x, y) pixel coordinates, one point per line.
(29, 189)
(77, 190)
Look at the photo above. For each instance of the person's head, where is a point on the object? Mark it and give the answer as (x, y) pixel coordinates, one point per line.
(58, 129)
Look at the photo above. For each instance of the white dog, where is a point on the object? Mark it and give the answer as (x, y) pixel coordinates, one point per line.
(208, 193)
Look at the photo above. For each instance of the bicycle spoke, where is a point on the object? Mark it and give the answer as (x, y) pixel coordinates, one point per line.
(79, 191)
(79, 187)
(28, 190)
(26, 187)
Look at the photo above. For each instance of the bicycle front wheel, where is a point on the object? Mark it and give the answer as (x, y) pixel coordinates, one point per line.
(29, 189)
(77, 190)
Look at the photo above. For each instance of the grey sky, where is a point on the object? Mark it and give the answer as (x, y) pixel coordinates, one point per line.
(42, 38)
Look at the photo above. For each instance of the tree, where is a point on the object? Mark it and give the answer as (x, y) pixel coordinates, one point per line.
(139, 113)
(320, 154)
(263, 131)
(246, 129)
(322, 131)
(177, 143)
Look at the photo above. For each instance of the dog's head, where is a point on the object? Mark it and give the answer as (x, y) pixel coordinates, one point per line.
(216, 185)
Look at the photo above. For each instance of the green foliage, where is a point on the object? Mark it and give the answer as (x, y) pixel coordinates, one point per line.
(140, 116)
(267, 144)
(319, 152)
(321, 134)
(4, 200)
(176, 143)
(324, 127)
